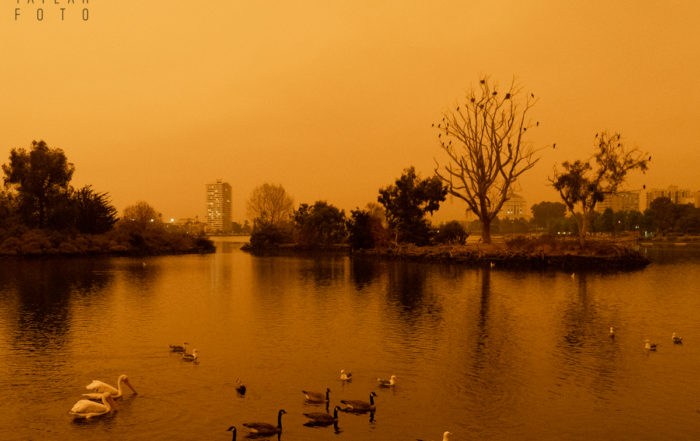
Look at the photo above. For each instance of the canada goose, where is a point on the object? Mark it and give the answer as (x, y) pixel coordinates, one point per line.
(358, 406)
(649, 346)
(178, 348)
(322, 419)
(232, 429)
(316, 397)
(240, 387)
(387, 383)
(264, 429)
(345, 376)
(677, 340)
(190, 357)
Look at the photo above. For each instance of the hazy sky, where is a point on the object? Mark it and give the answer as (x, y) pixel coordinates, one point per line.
(153, 99)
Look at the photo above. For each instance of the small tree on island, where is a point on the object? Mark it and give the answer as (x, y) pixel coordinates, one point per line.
(582, 185)
(484, 139)
(406, 203)
(270, 208)
(320, 224)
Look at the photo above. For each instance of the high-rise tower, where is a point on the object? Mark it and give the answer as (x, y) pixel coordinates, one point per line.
(219, 207)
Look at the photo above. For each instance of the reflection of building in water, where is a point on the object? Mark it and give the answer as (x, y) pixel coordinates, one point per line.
(514, 208)
(675, 194)
(219, 207)
(620, 201)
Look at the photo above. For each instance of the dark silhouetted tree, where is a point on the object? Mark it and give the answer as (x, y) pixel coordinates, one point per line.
(451, 232)
(485, 142)
(94, 212)
(582, 185)
(320, 224)
(407, 202)
(545, 213)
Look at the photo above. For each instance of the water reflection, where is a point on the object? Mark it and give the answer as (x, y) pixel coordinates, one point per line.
(363, 271)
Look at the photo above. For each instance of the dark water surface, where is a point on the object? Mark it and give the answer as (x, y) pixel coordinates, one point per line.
(485, 354)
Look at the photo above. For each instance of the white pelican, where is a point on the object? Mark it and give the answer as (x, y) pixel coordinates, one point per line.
(345, 376)
(99, 386)
(316, 397)
(88, 409)
(265, 429)
(358, 406)
(387, 383)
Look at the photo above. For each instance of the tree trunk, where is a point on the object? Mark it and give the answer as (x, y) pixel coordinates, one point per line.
(582, 229)
(486, 230)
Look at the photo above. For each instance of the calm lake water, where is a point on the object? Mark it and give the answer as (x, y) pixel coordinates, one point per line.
(488, 354)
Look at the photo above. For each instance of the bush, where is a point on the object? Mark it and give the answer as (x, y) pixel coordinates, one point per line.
(452, 232)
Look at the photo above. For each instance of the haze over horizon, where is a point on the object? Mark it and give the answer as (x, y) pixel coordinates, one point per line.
(152, 101)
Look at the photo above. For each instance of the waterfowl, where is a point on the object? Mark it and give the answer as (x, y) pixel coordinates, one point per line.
(178, 348)
(233, 430)
(445, 436)
(612, 332)
(677, 340)
(88, 408)
(190, 357)
(649, 346)
(240, 387)
(358, 406)
(101, 387)
(345, 376)
(387, 383)
(322, 419)
(316, 397)
(264, 429)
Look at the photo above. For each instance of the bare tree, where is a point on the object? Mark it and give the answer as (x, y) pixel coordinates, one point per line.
(269, 204)
(484, 139)
(582, 185)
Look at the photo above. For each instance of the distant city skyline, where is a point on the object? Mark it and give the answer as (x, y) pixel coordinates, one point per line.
(333, 100)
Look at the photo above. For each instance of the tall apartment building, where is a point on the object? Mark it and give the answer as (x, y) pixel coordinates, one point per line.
(219, 207)
(620, 201)
(677, 195)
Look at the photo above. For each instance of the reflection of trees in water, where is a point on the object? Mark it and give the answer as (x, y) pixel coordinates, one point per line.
(141, 274)
(363, 271)
(407, 290)
(44, 289)
(323, 271)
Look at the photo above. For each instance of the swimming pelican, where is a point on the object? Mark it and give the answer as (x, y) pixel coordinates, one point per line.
(88, 408)
(178, 348)
(265, 429)
(345, 376)
(99, 386)
(190, 357)
(232, 429)
(358, 406)
(387, 383)
(677, 340)
(321, 419)
(316, 397)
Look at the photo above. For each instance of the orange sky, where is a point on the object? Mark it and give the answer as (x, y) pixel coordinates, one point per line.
(153, 99)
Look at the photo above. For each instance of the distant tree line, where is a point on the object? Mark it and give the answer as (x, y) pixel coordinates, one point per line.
(41, 213)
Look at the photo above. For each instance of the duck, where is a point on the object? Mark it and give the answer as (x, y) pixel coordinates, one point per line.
(265, 429)
(316, 397)
(190, 357)
(345, 376)
(98, 386)
(649, 346)
(88, 408)
(387, 383)
(358, 406)
(321, 418)
(676, 339)
(612, 332)
(240, 387)
(232, 429)
(178, 348)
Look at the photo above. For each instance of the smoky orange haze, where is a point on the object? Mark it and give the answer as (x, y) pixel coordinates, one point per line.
(333, 99)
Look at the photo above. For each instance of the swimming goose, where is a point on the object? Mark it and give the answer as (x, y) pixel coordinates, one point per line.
(387, 383)
(190, 357)
(99, 386)
(264, 429)
(240, 387)
(178, 348)
(649, 346)
(232, 429)
(345, 376)
(316, 397)
(322, 419)
(677, 340)
(88, 408)
(358, 406)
